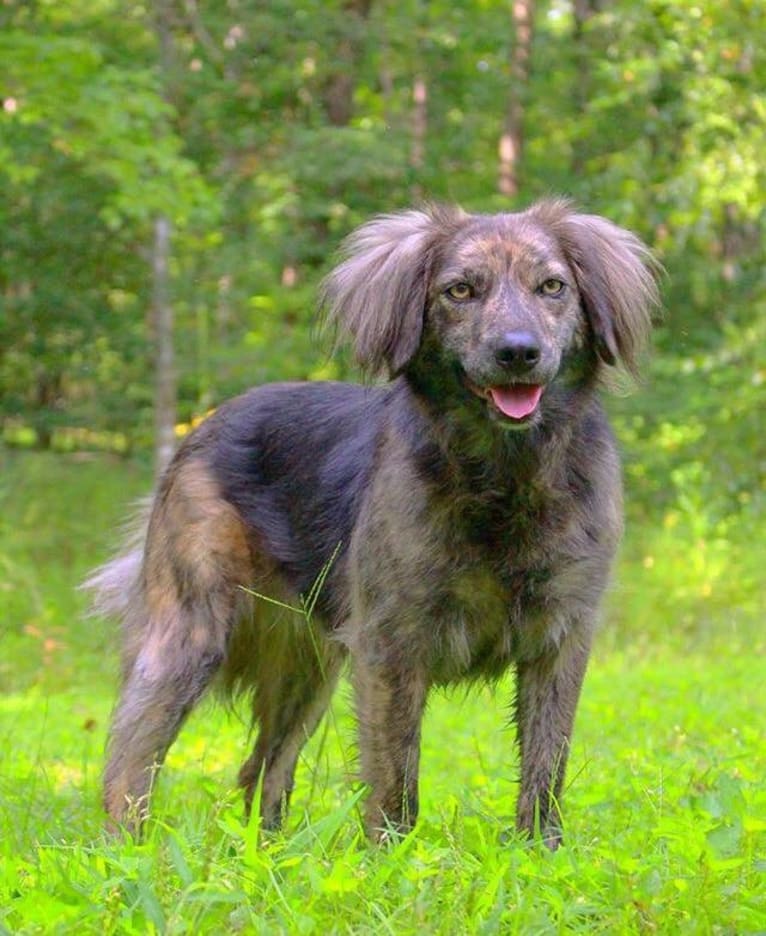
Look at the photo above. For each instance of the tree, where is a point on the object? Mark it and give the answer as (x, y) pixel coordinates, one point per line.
(347, 55)
(83, 123)
(288, 123)
(512, 138)
(165, 395)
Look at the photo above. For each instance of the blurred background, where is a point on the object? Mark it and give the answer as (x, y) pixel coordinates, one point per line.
(174, 179)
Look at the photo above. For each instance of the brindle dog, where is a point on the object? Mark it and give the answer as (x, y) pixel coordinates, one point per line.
(462, 517)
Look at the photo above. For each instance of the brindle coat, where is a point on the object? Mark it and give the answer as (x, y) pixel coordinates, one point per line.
(465, 513)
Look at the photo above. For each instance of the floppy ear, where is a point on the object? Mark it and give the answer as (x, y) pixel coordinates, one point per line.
(378, 293)
(617, 278)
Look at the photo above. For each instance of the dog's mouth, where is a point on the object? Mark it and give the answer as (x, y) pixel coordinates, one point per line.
(515, 403)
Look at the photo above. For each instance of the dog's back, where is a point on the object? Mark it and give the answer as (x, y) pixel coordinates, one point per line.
(294, 460)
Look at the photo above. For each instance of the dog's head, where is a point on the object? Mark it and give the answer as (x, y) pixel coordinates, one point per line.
(513, 304)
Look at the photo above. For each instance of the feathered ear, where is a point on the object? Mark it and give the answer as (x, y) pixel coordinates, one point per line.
(617, 278)
(378, 293)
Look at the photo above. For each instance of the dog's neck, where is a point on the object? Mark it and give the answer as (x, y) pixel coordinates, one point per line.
(486, 455)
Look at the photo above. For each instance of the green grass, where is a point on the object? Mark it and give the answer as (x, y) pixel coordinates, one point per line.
(665, 808)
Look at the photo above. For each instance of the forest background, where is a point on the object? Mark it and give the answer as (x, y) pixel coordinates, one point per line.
(175, 177)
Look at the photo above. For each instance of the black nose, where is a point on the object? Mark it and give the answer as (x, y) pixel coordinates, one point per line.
(518, 351)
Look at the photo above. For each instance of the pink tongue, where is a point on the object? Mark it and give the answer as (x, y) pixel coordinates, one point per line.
(518, 400)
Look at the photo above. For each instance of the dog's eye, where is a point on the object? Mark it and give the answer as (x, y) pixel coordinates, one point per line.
(460, 291)
(551, 287)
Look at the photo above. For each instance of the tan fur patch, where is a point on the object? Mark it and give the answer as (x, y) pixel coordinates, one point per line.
(198, 550)
(208, 536)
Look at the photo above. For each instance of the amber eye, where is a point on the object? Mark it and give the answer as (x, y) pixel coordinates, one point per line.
(460, 291)
(552, 287)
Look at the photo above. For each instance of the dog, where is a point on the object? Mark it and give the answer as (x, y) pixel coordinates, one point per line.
(452, 522)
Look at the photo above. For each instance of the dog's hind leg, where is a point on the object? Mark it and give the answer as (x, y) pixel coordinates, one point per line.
(158, 693)
(176, 627)
(296, 678)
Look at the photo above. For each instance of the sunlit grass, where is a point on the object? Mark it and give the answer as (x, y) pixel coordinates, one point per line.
(665, 821)
(665, 806)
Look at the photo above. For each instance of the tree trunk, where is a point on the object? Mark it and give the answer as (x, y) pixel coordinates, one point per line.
(512, 138)
(339, 89)
(164, 357)
(583, 11)
(419, 131)
(161, 308)
(47, 400)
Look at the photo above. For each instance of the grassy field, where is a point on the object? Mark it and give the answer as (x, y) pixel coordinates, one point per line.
(665, 808)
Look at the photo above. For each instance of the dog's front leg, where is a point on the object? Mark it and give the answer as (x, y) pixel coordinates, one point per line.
(390, 697)
(547, 691)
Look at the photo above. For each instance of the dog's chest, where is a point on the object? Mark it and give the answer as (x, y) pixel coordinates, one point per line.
(501, 599)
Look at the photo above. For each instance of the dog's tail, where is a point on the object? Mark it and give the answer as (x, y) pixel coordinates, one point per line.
(115, 586)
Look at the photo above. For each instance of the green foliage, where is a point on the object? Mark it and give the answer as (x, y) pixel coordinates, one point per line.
(233, 135)
(694, 456)
(58, 513)
(112, 122)
(649, 113)
(664, 805)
